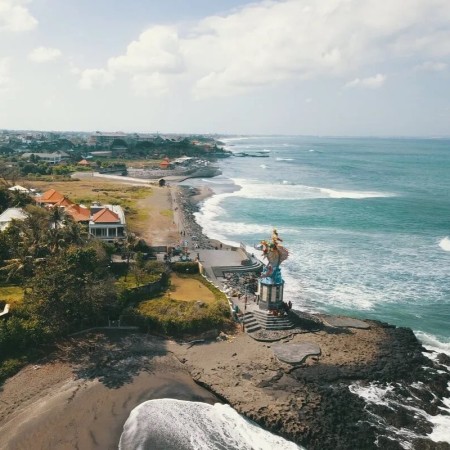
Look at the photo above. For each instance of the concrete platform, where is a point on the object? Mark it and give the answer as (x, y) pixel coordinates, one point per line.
(344, 322)
(295, 353)
(211, 258)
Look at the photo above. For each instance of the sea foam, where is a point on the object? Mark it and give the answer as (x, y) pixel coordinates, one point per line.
(376, 394)
(181, 425)
(277, 191)
(445, 244)
(432, 343)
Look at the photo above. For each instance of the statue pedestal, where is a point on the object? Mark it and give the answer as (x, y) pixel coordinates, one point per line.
(270, 294)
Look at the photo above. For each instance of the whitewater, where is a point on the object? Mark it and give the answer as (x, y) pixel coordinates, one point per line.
(367, 224)
(180, 425)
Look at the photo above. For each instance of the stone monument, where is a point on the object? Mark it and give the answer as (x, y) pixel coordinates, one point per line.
(271, 283)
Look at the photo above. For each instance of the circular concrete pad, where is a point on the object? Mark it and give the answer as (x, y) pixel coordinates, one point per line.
(295, 353)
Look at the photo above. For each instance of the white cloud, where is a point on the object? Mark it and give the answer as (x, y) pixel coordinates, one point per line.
(156, 50)
(374, 82)
(5, 79)
(146, 85)
(44, 54)
(272, 41)
(431, 66)
(92, 78)
(14, 16)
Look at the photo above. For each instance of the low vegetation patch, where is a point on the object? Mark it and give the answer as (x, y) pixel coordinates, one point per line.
(189, 289)
(190, 305)
(131, 281)
(11, 294)
(167, 213)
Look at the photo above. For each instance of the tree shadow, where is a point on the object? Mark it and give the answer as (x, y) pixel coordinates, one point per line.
(113, 357)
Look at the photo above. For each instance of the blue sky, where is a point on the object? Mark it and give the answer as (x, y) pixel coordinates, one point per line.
(321, 67)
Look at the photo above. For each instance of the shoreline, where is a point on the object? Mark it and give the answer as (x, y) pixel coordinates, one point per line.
(54, 405)
(79, 398)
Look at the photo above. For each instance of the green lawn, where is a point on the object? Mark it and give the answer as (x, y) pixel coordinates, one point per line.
(11, 294)
(190, 305)
(130, 281)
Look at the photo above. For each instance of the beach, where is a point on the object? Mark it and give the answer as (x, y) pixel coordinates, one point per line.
(82, 393)
(81, 399)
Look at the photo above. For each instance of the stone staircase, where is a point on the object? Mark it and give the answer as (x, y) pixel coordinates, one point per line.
(219, 271)
(261, 320)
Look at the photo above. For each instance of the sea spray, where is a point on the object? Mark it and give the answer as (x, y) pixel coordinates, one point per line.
(392, 396)
(181, 425)
(367, 226)
(445, 244)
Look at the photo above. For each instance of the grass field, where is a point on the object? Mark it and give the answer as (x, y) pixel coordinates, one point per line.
(189, 290)
(88, 191)
(129, 282)
(11, 294)
(190, 305)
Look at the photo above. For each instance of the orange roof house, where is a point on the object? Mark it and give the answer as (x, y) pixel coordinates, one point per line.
(105, 215)
(83, 162)
(50, 197)
(107, 222)
(64, 202)
(78, 213)
(164, 164)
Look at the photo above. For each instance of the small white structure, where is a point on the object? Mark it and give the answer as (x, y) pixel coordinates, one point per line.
(52, 158)
(11, 214)
(19, 188)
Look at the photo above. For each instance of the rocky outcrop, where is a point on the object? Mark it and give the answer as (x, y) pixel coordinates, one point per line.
(319, 403)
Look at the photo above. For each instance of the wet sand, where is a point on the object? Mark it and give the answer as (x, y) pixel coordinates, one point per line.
(79, 403)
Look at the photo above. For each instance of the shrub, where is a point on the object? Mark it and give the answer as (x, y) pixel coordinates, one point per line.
(185, 267)
(10, 367)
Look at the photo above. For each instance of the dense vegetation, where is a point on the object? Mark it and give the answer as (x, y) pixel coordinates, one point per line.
(65, 280)
(58, 281)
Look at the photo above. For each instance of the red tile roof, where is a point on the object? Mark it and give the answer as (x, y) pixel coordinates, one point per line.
(64, 202)
(105, 215)
(78, 213)
(50, 196)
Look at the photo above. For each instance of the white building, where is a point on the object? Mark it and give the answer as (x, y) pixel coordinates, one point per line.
(107, 222)
(11, 214)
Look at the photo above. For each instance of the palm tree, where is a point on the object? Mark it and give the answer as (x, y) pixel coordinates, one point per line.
(130, 243)
(74, 233)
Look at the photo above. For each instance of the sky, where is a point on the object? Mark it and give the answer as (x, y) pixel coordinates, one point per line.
(298, 67)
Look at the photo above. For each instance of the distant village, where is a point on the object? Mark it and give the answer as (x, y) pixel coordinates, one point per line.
(39, 153)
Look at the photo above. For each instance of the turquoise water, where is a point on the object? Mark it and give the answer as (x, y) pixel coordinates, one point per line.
(366, 221)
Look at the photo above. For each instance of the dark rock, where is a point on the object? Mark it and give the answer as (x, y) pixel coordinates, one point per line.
(443, 359)
(427, 444)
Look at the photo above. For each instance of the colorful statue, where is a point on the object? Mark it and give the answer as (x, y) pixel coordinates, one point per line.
(275, 254)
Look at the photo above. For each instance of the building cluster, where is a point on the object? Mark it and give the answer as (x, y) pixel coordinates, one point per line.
(105, 222)
(26, 141)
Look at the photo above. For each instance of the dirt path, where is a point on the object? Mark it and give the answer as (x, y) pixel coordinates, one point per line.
(157, 226)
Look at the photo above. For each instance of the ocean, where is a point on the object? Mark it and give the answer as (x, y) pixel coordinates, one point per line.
(367, 225)
(366, 222)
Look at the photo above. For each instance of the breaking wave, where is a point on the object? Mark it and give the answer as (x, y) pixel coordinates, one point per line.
(285, 191)
(403, 399)
(180, 425)
(432, 343)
